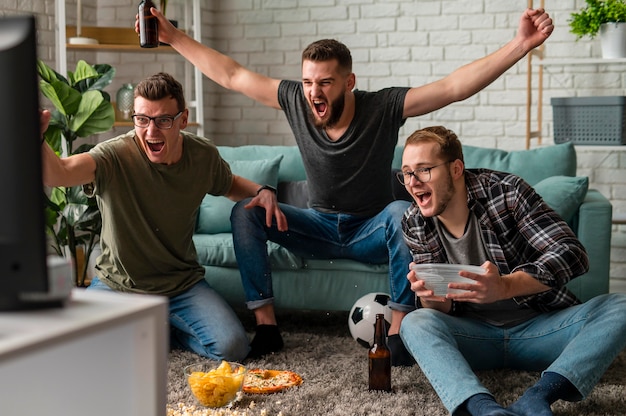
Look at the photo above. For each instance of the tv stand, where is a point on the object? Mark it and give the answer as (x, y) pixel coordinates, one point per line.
(103, 353)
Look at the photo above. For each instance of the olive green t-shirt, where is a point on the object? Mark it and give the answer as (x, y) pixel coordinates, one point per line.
(149, 213)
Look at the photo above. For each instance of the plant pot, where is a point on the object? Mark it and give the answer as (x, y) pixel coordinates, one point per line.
(613, 40)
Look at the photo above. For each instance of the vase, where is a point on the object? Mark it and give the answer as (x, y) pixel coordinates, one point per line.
(613, 40)
(125, 101)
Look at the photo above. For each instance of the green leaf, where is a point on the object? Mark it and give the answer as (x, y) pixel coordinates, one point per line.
(54, 138)
(64, 98)
(83, 72)
(58, 197)
(105, 76)
(94, 115)
(45, 72)
(587, 21)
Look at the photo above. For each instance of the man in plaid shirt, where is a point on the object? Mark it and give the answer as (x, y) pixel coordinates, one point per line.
(518, 314)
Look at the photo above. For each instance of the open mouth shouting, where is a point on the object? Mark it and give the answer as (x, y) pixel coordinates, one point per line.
(321, 108)
(155, 145)
(422, 197)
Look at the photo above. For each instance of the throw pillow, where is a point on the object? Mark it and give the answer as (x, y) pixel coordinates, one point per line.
(214, 215)
(564, 194)
(533, 165)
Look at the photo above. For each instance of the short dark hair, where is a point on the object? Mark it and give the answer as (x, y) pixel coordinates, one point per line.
(159, 86)
(450, 147)
(327, 50)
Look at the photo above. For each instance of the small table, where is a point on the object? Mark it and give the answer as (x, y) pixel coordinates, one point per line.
(101, 354)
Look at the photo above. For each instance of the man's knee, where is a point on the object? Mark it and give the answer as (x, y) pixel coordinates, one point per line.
(233, 348)
(242, 218)
(418, 320)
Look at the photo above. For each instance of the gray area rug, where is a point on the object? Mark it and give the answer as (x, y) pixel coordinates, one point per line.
(318, 346)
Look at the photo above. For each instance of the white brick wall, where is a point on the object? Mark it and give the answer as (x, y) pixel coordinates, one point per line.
(399, 42)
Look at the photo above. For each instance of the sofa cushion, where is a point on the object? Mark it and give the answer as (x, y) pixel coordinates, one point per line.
(291, 167)
(532, 165)
(218, 250)
(214, 215)
(564, 194)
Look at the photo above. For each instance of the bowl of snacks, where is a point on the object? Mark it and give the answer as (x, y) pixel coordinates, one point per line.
(215, 383)
(437, 276)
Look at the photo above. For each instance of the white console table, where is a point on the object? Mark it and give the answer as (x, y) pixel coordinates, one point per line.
(102, 354)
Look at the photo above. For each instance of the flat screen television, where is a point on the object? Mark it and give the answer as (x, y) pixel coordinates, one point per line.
(24, 277)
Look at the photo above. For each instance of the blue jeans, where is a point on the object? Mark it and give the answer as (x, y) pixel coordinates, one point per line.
(201, 321)
(579, 343)
(317, 235)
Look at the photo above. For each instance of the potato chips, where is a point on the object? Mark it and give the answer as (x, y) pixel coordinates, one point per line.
(218, 387)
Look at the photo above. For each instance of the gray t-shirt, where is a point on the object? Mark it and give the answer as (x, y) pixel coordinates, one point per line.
(470, 249)
(149, 213)
(350, 175)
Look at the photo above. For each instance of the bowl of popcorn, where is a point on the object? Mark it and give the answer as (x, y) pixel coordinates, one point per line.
(215, 383)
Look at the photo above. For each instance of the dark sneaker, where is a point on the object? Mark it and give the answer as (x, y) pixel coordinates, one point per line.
(400, 356)
(266, 340)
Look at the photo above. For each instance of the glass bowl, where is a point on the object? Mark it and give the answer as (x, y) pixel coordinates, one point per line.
(436, 276)
(215, 383)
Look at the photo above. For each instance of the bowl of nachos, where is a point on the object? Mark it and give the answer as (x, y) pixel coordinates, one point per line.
(215, 383)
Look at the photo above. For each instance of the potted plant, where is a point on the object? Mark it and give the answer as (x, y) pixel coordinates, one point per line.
(607, 17)
(82, 108)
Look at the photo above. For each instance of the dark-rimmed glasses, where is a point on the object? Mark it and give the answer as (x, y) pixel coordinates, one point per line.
(421, 174)
(162, 122)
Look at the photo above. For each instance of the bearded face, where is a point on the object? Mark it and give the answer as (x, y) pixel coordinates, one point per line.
(323, 115)
(325, 89)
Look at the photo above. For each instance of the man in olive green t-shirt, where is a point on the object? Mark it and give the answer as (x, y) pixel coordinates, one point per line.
(149, 184)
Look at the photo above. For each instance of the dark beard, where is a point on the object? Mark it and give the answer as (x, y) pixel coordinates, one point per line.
(336, 109)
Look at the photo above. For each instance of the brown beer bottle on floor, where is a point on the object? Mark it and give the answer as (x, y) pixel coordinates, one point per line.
(380, 358)
(148, 26)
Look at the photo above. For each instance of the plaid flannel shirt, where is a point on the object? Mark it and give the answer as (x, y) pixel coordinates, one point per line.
(520, 232)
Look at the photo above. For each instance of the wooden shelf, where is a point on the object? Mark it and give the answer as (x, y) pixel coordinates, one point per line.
(579, 61)
(125, 40)
(113, 39)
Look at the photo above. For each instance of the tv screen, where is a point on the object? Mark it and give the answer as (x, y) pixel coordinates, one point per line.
(23, 265)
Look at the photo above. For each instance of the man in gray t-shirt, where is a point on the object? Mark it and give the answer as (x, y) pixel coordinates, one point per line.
(348, 165)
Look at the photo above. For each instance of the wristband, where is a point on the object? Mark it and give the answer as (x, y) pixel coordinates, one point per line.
(268, 187)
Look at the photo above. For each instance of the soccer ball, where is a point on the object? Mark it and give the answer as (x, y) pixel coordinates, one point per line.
(362, 318)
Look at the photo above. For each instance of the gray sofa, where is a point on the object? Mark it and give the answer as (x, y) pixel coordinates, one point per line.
(336, 284)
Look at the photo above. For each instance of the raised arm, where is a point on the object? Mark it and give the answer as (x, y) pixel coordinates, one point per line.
(70, 171)
(535, 27)
(218, 67)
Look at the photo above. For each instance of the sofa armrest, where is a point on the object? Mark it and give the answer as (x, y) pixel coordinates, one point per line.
(593, 228)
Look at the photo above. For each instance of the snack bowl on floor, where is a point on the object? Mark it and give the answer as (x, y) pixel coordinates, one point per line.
(215, 383)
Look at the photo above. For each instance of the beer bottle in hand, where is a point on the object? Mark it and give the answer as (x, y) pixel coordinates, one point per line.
(148, 26)
(380, 358)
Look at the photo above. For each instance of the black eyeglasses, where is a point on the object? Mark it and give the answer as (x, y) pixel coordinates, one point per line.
(421, 174)
(162, 122)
